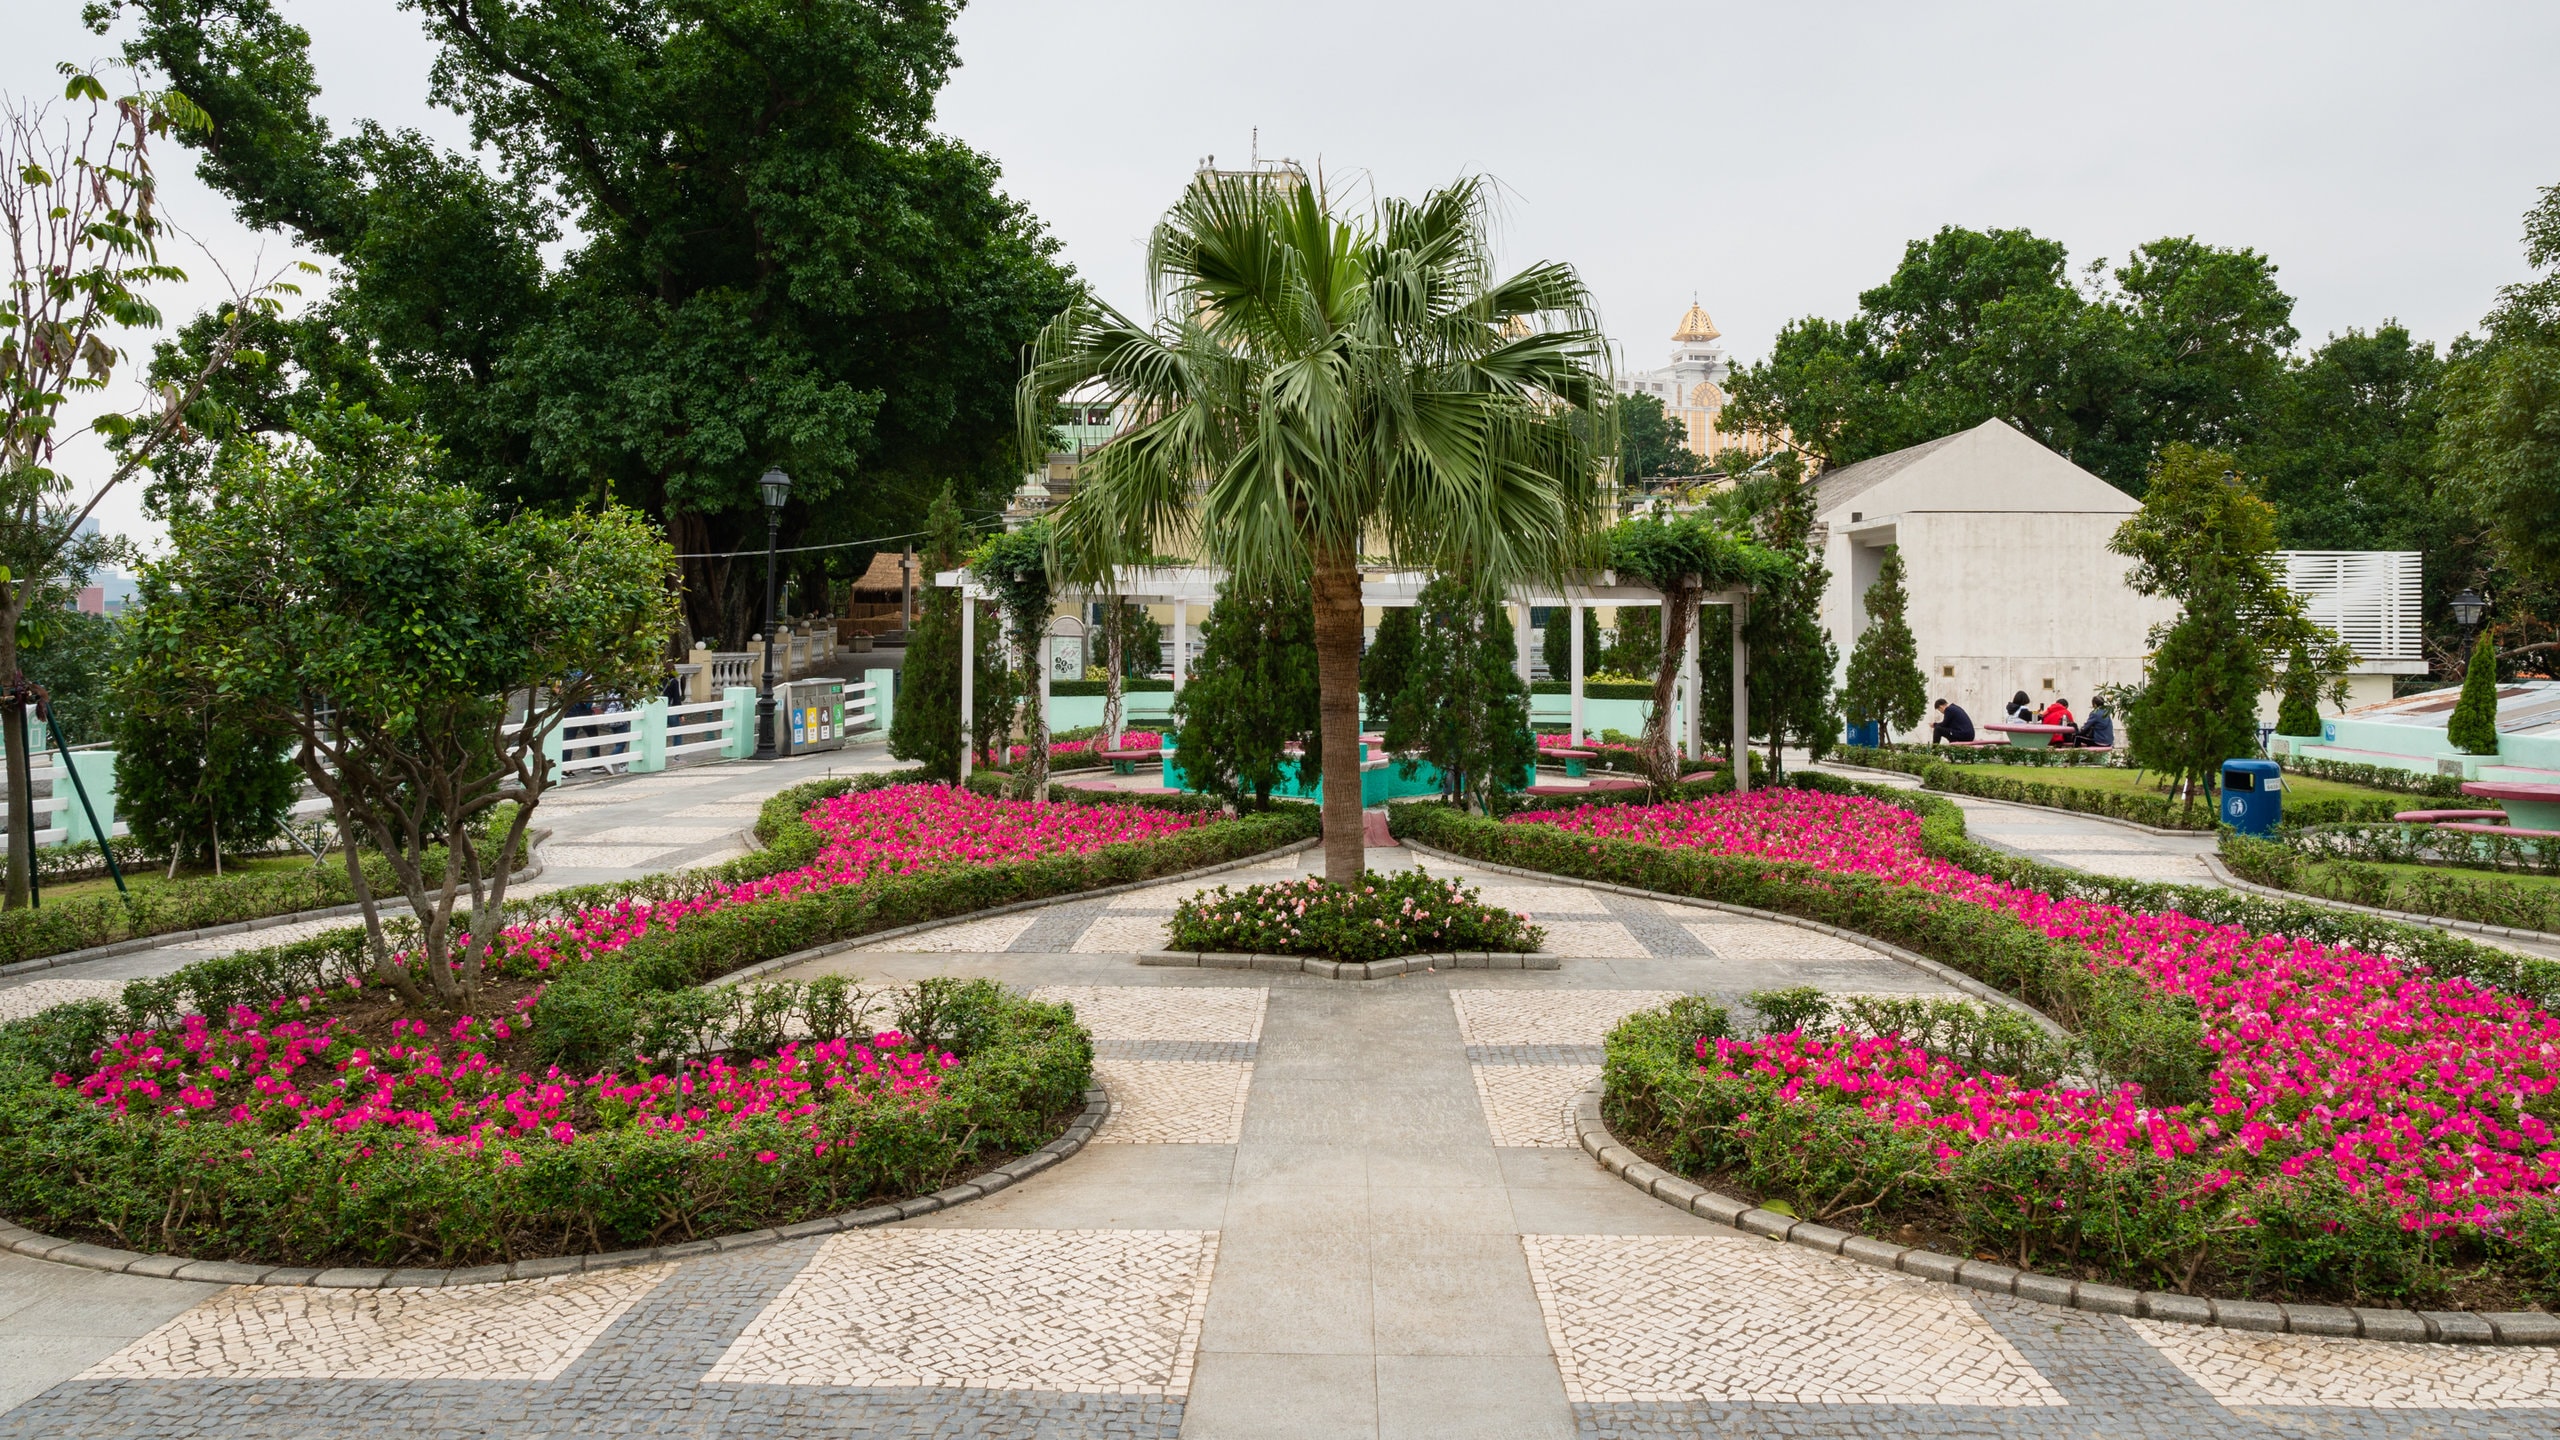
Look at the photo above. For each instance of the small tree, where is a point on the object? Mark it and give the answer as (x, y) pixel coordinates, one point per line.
(1251, 697)
(1635, 642)
(2199, 702)
(196, 771)
(926, 727)
(1015, 566)
(1683, 559)
(421, 652)
(2299, 712)
(2473, 730)
(1388, 663)
(1792, 657)
(1885, 686)
(1557, 642)
(1463, 707)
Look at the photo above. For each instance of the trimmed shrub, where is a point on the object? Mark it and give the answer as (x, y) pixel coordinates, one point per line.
(1402, 912)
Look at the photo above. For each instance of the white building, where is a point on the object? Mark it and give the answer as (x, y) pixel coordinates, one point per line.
(1691, 387)
(2004, 544)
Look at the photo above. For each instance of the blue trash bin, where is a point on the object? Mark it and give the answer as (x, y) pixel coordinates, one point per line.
(1870, 734)
(2252, 795)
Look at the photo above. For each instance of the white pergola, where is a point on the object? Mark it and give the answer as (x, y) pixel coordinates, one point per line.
(1185, 586)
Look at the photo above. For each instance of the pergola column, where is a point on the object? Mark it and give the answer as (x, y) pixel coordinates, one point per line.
(1520, 633)
(1181, 639)
(1691, 729)
(1573, 617)
(968, 681)
(1741, 703)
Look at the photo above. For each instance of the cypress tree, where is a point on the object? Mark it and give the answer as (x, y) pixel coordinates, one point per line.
(2473, 730)
(926, 726)
(1252, 696)
(2199, 705)
(2299, 713)
(1463, 707)
(1388, 662)
(1885, 685)
(1557, 642)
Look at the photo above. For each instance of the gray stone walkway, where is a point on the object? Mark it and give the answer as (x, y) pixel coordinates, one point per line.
(1320, 1209)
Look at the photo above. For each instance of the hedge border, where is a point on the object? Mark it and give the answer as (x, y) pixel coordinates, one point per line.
(19, 1240)
(532, 871)
(2451, 1327)
(2103, 819)
(1976, 989)
(2224, 873)
(1349, 969)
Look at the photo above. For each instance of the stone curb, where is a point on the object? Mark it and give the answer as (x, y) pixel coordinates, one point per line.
(1933, 968)
(2453, 1327)
(2223, 873)
(838, 947)
(19, 1240)
(532, 871)
(1350, 969)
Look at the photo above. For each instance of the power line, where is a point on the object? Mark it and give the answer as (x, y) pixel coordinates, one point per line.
(835, 545)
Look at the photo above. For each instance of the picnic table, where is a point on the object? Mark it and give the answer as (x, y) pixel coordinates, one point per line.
(2030, 737)
(2527, 806)
(1573, 760)
(1125, 762)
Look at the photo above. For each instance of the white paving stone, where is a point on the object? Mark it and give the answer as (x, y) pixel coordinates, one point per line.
(1531, 1105)
(1216, 1014)
(658, 832)
(975, 935)
(2243, 1368)
(1173, 1102)
(1547, 1017)
(1636, 1318)
(281, 934)
(1124, 935)
(20, 1001)
(605, 857)
(1595, 939)
(1094, 1311)
(530, 1330)
(1759, 940)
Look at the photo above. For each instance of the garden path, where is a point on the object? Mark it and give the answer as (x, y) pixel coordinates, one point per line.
(1319, 1209)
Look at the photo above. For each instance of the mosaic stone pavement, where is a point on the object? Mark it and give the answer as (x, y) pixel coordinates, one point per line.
(1320, 1209)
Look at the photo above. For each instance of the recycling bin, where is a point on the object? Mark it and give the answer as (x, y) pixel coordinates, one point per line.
(808, 716)
(2252, 795)
(1869, 734)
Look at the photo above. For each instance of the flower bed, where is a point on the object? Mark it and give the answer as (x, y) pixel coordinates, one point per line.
(1403, 912)
(2290, 1118)
(284, 1105)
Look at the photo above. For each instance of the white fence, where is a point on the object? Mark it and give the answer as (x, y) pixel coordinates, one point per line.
(2372, 599)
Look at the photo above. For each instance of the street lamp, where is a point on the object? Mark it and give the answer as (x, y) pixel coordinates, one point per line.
(777, 489)
(2468, 607)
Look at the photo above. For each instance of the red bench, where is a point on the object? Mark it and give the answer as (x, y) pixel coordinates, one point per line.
(2439, 817)
(1125, 762)
(2469, 828)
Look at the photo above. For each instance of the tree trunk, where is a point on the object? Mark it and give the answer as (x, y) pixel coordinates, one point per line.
(1338, 616)
(1113, 626)
(1679, 607)
(13, 716)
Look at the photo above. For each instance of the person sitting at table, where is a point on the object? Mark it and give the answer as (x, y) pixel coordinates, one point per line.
(2098, 732)
(2058, 713)
(1951, 725)
(2021, 710)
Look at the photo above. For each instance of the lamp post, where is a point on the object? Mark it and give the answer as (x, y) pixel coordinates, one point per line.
(777, 489)
(2468, 607)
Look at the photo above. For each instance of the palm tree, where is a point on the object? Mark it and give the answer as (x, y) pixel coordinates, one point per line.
(1314, 387)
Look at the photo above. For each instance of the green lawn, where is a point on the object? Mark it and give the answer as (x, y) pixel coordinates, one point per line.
(2402, 873)
(156, 877)
(2136, 782)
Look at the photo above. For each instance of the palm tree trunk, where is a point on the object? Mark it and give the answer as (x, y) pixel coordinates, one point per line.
(1338, 617)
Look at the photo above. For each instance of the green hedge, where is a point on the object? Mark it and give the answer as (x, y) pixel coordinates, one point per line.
(2161, 812)
(1594, 689)
(1835, 1164)
(2377, 777)
(2456, 894)
(68, 1167)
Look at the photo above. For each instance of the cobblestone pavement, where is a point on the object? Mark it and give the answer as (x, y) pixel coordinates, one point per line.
(1322, 1209)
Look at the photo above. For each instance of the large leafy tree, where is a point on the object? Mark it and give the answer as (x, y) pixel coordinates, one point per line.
(764, 254)
(419, 650)
(1318, 384)
(2181, 342)
(2500, 442)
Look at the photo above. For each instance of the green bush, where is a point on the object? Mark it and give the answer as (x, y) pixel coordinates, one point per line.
(1097, 687)
(1595, 689)
(318, 1198)
(1402, 912)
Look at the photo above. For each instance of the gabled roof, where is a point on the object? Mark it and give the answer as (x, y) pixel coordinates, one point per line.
(1991, 467)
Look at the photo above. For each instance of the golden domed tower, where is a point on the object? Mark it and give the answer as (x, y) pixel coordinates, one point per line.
(1691, 387)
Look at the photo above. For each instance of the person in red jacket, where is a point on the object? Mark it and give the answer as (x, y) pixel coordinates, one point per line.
(2058, 713)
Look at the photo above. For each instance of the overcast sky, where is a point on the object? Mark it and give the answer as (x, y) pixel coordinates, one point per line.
(1770, 158)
